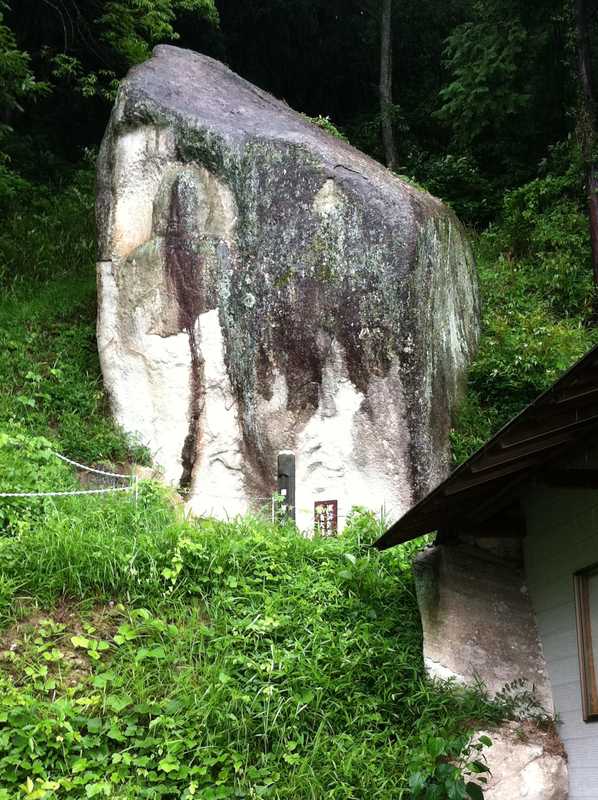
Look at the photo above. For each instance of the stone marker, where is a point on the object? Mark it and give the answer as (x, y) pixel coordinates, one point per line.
(265, 287)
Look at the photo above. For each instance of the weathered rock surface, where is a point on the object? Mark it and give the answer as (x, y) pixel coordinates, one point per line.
(477, 620)
(525, 764)
(264, 287)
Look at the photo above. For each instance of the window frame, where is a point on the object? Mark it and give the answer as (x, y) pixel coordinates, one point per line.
(588, 670)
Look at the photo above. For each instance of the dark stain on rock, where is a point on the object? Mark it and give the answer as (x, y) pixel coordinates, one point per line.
(264, 374)
(304, 364)
(295, 345)
(187, 286)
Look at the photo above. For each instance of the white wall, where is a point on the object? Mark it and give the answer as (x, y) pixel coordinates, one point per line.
(563, 538)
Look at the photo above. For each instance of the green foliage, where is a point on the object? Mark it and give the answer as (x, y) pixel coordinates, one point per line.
(543, 234)
(524, 349)
(27, 465)
(510, 80)
(490, 82)
(94, 546)
(11, 184)
(132, 27)
(50, 381)
(483, 58)
(366, 133)
(73, 69)
(16, 77)
(49, 234)
(17, 82)
(459, 181)
(474, 424)
(50, 372)
(536, 285)
(520, 701)
(326, 124)
(450, 769)
(212, 660)
(121, 32)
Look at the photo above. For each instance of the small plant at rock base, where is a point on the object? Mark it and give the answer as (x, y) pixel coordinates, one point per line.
(450, 769)
(520, 701)
(328, 126)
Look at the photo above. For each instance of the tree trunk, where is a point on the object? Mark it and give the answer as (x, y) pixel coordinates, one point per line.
(587, 123)
(386, 84)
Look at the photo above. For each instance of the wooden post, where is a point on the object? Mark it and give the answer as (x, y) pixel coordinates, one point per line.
(286, 482)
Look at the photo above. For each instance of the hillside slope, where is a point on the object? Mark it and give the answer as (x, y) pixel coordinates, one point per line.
(145, 656)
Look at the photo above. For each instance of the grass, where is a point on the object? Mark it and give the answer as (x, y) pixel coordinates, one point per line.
(145, 656)
(51, 384)
(211, 660)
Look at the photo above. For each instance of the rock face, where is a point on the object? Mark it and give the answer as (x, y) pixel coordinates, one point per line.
(477, 620)
(525, 762)
(265, 287)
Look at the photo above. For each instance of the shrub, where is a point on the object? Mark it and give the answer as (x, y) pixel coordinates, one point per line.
(458, 181)
(49, 233)
(450, 769)
(27, 464)
(543, 234)
(536, 285)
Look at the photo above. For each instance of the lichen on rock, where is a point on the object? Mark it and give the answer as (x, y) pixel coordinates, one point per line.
(264, 287)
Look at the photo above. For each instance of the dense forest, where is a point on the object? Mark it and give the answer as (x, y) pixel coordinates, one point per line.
(478, 93)
(143, 655)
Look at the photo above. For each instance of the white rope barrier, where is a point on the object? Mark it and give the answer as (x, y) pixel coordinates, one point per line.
(75, 493)
(68, 494)
(91, 469)
(132, 488)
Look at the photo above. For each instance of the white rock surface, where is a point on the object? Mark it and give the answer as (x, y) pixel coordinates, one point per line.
(478, 625)
(525, 764)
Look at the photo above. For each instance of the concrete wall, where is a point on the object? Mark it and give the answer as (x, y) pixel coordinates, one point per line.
(563, 538)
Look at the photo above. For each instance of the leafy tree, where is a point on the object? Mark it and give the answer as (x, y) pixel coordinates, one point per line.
(17, 83)
(484, 58)
(510, 86)
(16, 78)
(77, 51)
(131, 27)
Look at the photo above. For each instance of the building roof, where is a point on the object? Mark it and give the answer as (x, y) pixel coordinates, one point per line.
(481, 495)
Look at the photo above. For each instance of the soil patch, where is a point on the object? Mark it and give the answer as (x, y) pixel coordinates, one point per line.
(38, 648)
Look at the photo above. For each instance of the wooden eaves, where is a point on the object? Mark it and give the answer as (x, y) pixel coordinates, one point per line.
(481, 496)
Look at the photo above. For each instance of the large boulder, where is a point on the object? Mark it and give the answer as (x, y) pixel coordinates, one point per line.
(265, 287)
